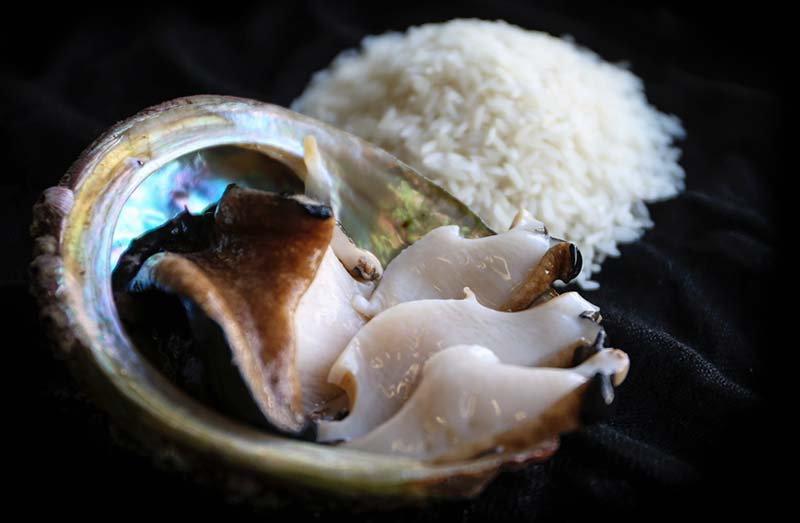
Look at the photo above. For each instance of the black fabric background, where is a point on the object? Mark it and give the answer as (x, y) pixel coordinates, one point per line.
(688, 302)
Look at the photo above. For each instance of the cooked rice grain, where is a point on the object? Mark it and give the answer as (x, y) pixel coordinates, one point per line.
(507, 118)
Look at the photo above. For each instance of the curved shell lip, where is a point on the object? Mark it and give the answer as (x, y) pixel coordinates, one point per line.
(72, 282)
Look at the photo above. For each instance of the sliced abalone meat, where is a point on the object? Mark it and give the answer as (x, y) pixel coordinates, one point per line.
(380, 367)
(468, 402)
(324, 322)
(506, 271)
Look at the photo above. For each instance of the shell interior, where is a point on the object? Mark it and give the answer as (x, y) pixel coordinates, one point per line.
(184, 153)
(194, 182)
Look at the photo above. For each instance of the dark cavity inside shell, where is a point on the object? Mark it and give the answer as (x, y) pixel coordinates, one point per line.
(180, 340)
(172, 211)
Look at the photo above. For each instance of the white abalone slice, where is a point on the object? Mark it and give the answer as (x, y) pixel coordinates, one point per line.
(380, 367)
(324, 322)
(469, 402)
(505, 271)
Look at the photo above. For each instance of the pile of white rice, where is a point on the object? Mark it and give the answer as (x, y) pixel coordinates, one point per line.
(506, 118)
